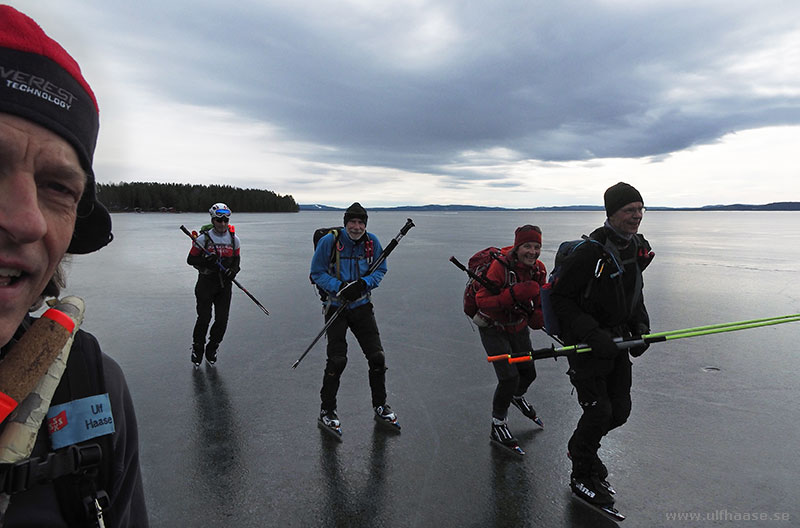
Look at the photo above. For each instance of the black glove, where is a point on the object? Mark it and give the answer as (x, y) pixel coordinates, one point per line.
(602, 343)
(352, 290)
(210, 259)
(230, 273)
(638, 350)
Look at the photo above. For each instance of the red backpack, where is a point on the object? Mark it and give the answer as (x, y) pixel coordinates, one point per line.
(479, 265)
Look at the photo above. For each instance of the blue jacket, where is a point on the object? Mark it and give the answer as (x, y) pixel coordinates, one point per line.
(354, 262)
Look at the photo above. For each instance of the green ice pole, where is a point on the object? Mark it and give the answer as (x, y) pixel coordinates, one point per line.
(725, 325)
(696, 332)
(654, 338)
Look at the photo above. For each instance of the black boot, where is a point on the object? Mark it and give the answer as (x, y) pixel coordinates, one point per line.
(601, 472)
(197, 354)
(527, 409)
(588, 488)
(211, 352)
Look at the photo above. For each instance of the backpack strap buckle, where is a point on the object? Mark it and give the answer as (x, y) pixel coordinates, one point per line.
(30, 472)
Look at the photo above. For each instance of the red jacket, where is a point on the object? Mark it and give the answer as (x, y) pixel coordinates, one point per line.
(503, 309)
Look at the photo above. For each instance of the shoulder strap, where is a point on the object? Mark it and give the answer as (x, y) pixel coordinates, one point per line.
(84, 377)
(609, 250)
(334, 261)
(204, 231)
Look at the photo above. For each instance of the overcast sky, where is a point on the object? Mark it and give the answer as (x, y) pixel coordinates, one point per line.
(515, 103)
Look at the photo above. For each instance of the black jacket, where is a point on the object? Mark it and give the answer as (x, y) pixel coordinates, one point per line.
(591, 292)
(39, 506)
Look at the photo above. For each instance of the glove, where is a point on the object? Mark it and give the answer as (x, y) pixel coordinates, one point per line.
(210, 259)
(525, 291)
(536, 320)
(352, 290)
(230, 274)
(640, 330)
(603, 345)
(638, 350)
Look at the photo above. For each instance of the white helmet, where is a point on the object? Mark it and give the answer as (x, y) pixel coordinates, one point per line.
(220, 210)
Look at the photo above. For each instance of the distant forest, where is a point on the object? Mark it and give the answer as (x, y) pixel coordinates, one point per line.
(180, 197)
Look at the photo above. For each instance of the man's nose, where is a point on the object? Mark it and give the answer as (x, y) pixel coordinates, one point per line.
(21, 217)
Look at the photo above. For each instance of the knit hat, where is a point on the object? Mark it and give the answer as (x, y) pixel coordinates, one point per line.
(42, 83)
(618, 196)
(527, 233)
(355, 211)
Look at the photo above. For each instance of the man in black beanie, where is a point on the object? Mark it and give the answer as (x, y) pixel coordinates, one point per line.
(66, 474)
(598, 297)
(339, 267)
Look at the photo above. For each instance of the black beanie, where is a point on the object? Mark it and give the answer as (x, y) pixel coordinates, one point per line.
(355, 211)
(42, 83)
(618, 196)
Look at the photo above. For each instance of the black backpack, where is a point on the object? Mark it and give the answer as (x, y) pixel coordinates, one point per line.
(565, 249)
(80, 472)
(334, 258)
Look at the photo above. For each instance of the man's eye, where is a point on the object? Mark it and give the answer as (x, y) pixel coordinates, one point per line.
(64, 190)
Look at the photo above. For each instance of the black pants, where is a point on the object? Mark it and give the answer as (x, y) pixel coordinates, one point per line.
(606, 404)
(210, 291)
(361, 321)
(513, 379)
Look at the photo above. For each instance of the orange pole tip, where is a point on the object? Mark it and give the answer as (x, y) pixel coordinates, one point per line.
(519, 359)
(501, 357)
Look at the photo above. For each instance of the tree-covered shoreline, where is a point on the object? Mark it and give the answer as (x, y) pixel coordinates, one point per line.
(182, 197)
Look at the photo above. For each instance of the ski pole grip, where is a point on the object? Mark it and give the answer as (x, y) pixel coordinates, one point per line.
(61, 318)
(32, 355)
(459, 265)
(501, 357)
(520, 359)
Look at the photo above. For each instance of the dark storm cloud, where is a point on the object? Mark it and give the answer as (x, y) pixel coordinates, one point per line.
(549, 81)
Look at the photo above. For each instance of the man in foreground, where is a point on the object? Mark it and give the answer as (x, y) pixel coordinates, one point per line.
(598, 297)
(48, 208)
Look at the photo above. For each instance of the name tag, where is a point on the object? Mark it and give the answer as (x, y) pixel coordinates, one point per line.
(79, 420)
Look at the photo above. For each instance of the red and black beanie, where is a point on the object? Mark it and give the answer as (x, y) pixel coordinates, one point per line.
(527, 233)
(41, 82)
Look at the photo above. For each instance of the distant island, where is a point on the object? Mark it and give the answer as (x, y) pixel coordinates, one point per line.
(774, 206)
(180, 197)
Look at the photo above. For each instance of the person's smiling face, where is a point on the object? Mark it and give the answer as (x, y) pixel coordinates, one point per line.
(355, 228)
(41, 183)
(628, 218)
(528, 252)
